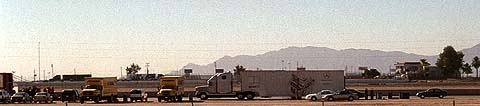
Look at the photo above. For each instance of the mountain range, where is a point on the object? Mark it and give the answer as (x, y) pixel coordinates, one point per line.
(320, 58)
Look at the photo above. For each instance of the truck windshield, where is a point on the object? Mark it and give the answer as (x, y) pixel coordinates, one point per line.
(135, 92)
(93, 87)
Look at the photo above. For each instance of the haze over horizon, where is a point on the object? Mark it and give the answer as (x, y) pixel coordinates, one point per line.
(99, 37)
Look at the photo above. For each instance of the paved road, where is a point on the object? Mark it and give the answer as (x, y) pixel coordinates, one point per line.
(414, 101)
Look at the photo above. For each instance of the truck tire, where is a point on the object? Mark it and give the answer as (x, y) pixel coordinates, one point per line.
(96, 100)
(179, 98)
(159, 99)
(250, 96)
(203, 96)
(240, 96)
(81, 101)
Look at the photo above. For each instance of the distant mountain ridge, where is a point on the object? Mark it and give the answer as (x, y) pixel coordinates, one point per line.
(320, 58)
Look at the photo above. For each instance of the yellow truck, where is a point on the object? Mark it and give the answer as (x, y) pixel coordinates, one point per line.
(171, 88)
(99, 88)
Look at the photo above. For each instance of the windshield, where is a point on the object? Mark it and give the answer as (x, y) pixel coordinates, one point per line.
(93, 87)
(41, 94)
(20, 94)
(135, 92)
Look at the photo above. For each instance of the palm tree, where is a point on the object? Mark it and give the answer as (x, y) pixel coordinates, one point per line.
(467, 69)
(476, 63)
(424, 69)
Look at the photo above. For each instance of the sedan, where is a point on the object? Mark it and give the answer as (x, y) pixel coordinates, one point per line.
(342, 95)
(433, 92)
(21, 97)
(318, 95)
(43, 97)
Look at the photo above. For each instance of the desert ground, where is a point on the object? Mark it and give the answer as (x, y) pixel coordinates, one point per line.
(413, 101)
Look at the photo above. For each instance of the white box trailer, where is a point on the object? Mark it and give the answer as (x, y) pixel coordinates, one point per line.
(269, 83)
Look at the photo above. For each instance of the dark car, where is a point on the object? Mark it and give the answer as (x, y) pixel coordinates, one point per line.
(70, 95)
(360, 94)
(433, 92)
(21, 97)
(43, 97)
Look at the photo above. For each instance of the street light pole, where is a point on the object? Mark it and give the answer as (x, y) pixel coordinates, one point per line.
(52, 71)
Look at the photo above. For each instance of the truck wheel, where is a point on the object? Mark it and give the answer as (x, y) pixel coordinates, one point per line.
(179, 98)
(250, 96)
(203, 96)
(81, 101)
(159, 99)
(96, 100)
(240, 96)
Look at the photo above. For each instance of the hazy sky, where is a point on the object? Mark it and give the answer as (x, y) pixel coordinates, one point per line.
(100, 36)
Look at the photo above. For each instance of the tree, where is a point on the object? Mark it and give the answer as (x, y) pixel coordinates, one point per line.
(424, 70)
(237, 70)
(299, 86)
(370, 73)
(133, 69)
(467, 69)
(476, 63)
(450, 61)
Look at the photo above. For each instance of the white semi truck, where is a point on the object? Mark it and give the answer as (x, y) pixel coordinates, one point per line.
(268, 83)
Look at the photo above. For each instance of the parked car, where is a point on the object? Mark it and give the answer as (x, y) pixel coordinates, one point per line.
(342, 95)
(360, 94)
(138, 94)
(433, 92)
(318, 95)
(43, 97)
(21, 97)
(5, 96)
(70, 95)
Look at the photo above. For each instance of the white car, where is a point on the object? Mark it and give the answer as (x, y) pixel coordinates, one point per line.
(138, 94)
(318, 95)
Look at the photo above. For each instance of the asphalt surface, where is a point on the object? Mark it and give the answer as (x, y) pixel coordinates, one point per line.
(413, 101)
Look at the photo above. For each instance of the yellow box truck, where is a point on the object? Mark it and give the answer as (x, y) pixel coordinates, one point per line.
(99, 88)
(171, 88)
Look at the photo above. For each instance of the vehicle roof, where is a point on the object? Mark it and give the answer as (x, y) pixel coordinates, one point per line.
(137, 90)
(171, 76)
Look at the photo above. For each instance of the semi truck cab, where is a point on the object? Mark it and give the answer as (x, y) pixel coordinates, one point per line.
(222, 85)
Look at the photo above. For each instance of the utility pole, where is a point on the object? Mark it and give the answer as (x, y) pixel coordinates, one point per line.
(215, 66)
(52, 70)
(74, 71)
(121, 72)
(39, 61)
(44, 77)
(34, 75)
(147, 67)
